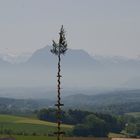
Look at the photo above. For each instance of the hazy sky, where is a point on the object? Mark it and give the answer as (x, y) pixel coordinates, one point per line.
(101, 27)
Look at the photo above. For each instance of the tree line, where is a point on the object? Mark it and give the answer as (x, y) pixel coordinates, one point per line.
(85, 123)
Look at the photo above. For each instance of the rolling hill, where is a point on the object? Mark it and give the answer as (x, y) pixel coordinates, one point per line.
(117, 102)
(28, 126)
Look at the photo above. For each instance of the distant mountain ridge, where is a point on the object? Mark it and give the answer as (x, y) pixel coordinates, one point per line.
(117, 102)
(79, 69)
(113, 97)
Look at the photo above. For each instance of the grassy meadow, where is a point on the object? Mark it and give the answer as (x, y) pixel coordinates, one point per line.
(54, 138)
(23, 128)
(134, 114)
(27, 126)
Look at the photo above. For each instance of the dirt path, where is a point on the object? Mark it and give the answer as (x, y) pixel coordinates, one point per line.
(125, 139)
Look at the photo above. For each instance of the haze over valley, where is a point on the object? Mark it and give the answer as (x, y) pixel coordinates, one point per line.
(81, 73)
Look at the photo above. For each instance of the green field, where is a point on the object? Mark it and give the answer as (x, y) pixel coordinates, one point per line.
(19, 137)
(115, 135)
(54, 138)
(27, 126)
(23, 128)
(134, 114)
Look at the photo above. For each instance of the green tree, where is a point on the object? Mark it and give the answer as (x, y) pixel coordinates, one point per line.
(133, 129)
(97, 126)
(93, 126)
(138, 129)
(81, 130)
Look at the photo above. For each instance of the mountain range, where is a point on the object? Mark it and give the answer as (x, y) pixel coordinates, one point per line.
(79, 70)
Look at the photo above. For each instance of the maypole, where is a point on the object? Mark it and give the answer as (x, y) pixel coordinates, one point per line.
(58, 49)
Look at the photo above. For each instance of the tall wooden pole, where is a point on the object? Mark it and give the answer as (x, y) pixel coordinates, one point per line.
(59, 49)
